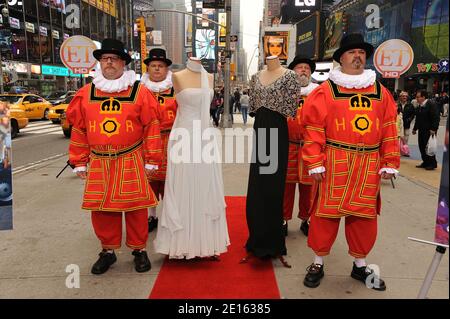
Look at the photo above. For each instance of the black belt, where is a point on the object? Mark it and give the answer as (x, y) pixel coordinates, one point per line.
(112, 154)
(356, 148)
(297, 143)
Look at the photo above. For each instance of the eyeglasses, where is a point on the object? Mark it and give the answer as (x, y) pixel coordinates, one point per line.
(112, 58)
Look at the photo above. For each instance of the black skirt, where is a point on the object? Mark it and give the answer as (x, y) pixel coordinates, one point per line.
(266, 185)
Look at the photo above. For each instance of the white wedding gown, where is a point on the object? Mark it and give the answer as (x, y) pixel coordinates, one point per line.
(193, 221)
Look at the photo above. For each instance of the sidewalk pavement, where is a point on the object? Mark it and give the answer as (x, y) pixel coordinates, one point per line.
(51, 232)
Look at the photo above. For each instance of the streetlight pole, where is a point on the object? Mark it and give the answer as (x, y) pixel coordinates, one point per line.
(226, 120)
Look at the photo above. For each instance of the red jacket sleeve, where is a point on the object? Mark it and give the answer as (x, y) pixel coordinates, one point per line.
(390, 149)
(78, 148)
(151, 121)
(313, 121)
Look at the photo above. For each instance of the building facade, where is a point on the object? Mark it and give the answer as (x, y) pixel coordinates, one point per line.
(32, 32)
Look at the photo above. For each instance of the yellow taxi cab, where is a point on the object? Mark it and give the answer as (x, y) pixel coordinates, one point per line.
(18, 120)
(35, 107)
(56, 111)
(66, 127)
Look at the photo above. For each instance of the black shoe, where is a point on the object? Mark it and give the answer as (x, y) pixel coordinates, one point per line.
(152, 224)
(430, 168)
(285, 228)
(141, 261)
(103, 263)
(421, 165)
(362, 273)
(304, 227)
(314, 275)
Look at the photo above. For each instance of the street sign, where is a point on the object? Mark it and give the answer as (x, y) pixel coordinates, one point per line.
(76, 54)
(233, 38)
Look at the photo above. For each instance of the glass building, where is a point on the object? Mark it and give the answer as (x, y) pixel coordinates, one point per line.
(32, 32)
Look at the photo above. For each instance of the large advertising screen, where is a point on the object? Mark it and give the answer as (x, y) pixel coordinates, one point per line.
(308, 36)
(276, 43)
(293, 11)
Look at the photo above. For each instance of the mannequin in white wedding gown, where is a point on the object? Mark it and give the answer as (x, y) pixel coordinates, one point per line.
(193, 221)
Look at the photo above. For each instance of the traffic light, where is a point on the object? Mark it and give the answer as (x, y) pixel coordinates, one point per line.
(140, 24)
(233, 77)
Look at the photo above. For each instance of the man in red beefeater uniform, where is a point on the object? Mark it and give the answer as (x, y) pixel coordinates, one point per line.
(158, 79)
(350, 144)
(296, 172)
(115, 129)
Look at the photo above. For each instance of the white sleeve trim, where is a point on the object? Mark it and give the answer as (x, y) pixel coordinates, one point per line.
(389, 171)
(80, 169)
(316, 170)
(151, 167)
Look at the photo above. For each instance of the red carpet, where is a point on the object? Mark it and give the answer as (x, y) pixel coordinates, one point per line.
(225, 279)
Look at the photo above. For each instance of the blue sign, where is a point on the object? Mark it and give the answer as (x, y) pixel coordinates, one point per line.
(55, 70)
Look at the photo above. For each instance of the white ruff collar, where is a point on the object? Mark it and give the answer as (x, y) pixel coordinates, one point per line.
(305, 90)
(157, 87)
(114, 86)
(361, 81)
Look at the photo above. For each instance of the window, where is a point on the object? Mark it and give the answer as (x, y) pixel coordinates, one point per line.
(93, 19)
(85, 19)
(32, 34)
(17, 27)
(46, 43)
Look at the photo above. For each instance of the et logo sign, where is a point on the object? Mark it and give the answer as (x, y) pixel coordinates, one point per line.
(305, 3)
(393, 58)
(76, 54)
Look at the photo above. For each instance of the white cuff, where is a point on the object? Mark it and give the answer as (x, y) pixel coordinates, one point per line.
(389, 171)
(316, 170)
(80, 169)
(151, 167)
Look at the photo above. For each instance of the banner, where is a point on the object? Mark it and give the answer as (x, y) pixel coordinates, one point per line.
(308, 36)
(441, 233)
(5, 168)
(276, 43)
(188, 31)
(333, 34)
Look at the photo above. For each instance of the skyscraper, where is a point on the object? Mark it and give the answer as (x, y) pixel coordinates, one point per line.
(172, 28)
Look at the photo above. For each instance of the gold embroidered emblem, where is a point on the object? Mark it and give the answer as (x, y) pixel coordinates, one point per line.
(161, 100)
(360, 102)
(301, 102)
(109, 127)
(362, 124)
(111, 106)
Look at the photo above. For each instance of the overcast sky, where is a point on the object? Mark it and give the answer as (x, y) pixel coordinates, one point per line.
(251, 14)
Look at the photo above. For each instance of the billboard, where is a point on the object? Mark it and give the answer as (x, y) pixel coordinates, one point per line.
(5, 168)
(333, 34)
(441, 232)
(293, 11)
(308, 36)
(276, 43)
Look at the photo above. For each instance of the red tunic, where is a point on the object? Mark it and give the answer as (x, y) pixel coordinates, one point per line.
(352, 133)
(117, 133)
(167, 112)
(296, 170)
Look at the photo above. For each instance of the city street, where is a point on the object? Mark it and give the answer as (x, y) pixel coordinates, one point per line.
(53, 233)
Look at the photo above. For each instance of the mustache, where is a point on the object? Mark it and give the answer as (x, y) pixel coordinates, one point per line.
(357, 60)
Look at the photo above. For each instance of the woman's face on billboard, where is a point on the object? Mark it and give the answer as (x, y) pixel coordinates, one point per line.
(275, 46)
